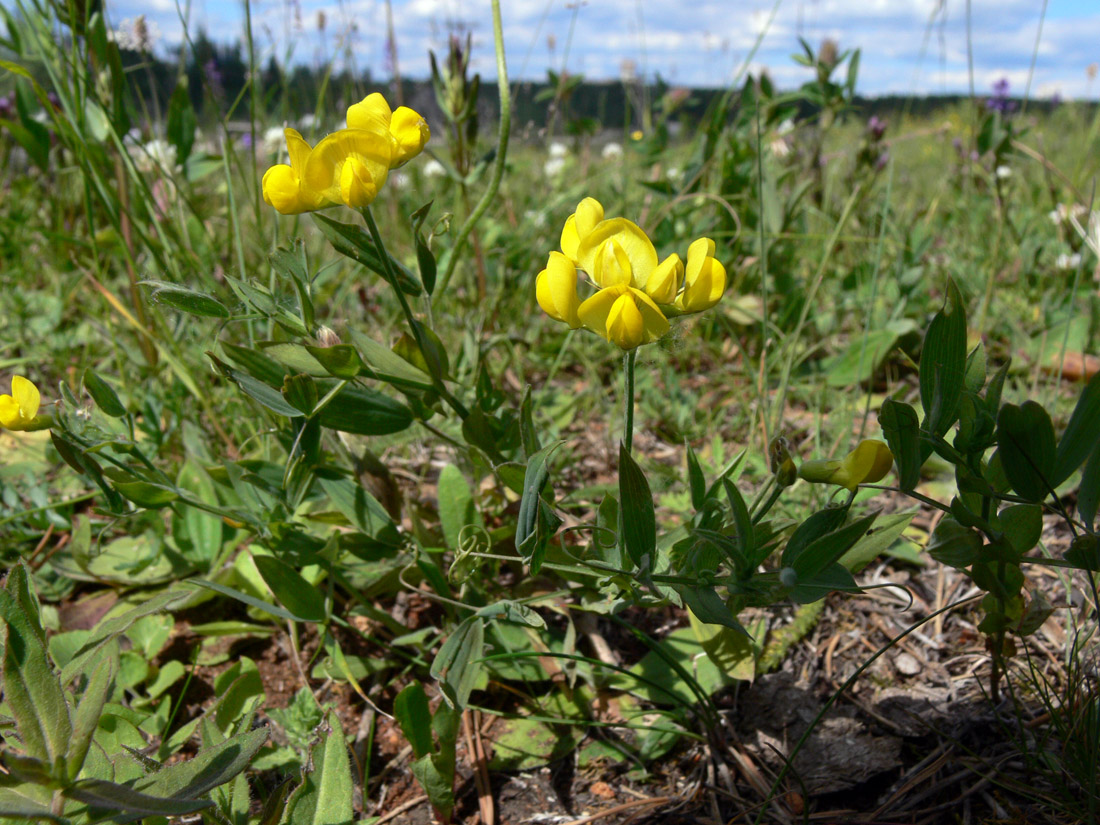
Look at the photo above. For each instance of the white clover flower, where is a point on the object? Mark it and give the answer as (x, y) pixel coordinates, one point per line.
(553, 167)
(156, 155)
(1003, 172)
(399, 180)
(558, 149)
(273, 142)
(434, 169)
(611, 151)
(307, 122)
(138, 35)
(786, 127)
(1068, 261)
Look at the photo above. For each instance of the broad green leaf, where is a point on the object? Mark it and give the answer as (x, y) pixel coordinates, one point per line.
(386, 365)
(639, 520)
(185, 299)
(341, 361)
(943, 363)
(823, 552)
(707, 606)
(1088, 496)
(363, 411)
(456, 505)
(955, 545)
(1025, 440)
(295, 593)
(88, 712)
(1082, 435)
(457, 665)
(202, 529)
(902, 431)
(146, 494)
(324, 797)
(1022, 525)
(816, 526)
(265, 394)
(886, 531)
(411, 711)
(361, 509)
(103, 394)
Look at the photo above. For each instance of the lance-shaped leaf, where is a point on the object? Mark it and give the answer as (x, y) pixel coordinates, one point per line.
(324, 797)
(639, 520)
(902, 431)
(88, 712)
(110, 796)
(1082, 435)
(943, 363)
(457, 665)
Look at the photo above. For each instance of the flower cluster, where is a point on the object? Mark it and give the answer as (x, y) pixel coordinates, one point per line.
(350, 166)
(18, 410)
(635, 293)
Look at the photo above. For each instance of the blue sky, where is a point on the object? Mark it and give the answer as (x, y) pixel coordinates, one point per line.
(908, 46)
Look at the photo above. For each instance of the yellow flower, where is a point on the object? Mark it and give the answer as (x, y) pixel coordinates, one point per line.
(625, 316)
(620, 260)
(18, 410)
(704, 278)
(869, 462)
(282, 184)
(556, 290)
(407, 129)
(350, 166)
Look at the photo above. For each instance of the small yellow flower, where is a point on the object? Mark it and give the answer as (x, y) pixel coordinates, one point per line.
(869, 462)
(636, 291)
(407, 129)
(556, 290)
(625, 316)
(18, 410)
(349, 166)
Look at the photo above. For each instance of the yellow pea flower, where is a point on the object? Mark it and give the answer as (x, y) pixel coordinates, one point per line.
(18, 410)
(638, 252)
(580, 223)
(665, 281)
(349, 167)
(869, 462)
(407, 129)
(704, 278)
(625, 316)
(556, 290)
(282, 185)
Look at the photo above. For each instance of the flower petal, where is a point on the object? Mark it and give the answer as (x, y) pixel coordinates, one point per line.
(9, 413)
(282, 189)
(625, 325)
(655, 322)
(357, 186)
(324, 169)
(594, 310)
(570, 239)
(297, 148)
(611, 265)
(637, 245)
(556, 290)
(371, 113)
(26, 395)
(869, 462)
(705, 290)
(589, 213)
(698, 252)
(411, 133)
(664, 282)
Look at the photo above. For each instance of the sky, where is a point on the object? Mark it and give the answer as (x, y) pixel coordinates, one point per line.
(907, 46)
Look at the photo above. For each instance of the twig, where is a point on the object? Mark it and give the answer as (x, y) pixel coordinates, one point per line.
(476, 753)
(615, 809)
(400, 809)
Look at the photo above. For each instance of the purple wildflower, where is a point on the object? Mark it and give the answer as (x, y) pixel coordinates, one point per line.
(876, 127)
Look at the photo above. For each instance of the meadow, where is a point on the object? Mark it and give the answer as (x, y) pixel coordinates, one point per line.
(447, 452)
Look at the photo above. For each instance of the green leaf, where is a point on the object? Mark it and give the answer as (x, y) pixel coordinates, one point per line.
(412, 713)
(291, 264)
(240, 596)
(1082, 435)
(943, 363)
(1022, 525)
(707, 606)
(887, 530)
(103, 394)
(386, 365)
(355, 242)
(203, 530)
(425, 260)
(295, 593)
(457, 665)
(110, 796)
(108, 631)
(324, 797)
(639, 521)
(823, 552)
(816, 526)
(185, 299)
(146, 494)
(88, 712)
(1088, 496)
(363, 411)
(456, 505)
(256, 364)
(1025, 439)
(534, 479)
(361, 509)
(267, 395)
(902, 431)
(211, 766)
(437, 784)
(22, 802)
(954, 545)
(742, 523)
(1084, 552)
(697, 482)
(341, 361)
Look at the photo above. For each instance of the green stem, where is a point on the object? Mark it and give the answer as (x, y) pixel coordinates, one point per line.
(414, 326)
(502, 153)
(628, 373)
